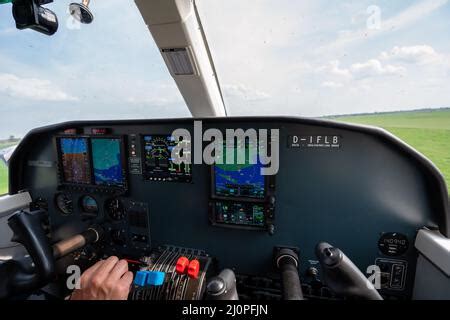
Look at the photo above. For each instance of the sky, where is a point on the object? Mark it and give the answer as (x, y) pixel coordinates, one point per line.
(273, 57)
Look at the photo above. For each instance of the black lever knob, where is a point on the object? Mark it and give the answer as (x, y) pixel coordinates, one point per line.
(222, 287)
(341, 274)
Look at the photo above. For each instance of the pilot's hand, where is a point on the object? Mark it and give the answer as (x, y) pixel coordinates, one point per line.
(106, 280)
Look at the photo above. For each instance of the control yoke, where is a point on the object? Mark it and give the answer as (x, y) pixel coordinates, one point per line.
(17, 277)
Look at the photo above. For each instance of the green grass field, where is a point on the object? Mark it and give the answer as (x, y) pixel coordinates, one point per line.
(3, 179)
(427, 131)
(4, 170)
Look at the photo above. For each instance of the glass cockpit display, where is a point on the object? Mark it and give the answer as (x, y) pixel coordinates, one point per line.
(107, 161)
(158, 164)
(240, 180)
(245, 214)
(242, 197)
(76, 168)
(91, 161)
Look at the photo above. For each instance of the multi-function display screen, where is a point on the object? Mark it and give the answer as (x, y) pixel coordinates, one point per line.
(75, 160)
(107, 161)
(239, 190)
(158, 164)
(241, 180)
(238, 213)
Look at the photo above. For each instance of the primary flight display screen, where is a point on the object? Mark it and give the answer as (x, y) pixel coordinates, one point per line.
(107, 161)
(75, 160)
(158, 164)
(239, 180)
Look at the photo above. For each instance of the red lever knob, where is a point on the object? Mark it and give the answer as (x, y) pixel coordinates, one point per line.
(194, 269)
(182, 265)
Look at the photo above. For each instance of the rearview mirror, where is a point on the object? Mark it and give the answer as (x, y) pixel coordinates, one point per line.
(81, 12)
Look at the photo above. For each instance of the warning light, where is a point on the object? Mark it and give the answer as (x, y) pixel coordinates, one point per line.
(99, 131)
(71, 131)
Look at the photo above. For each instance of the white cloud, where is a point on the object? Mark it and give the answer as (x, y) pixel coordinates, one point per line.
(412, 14)
(32, 89)
(241, 91)
(332, 84)
(373, 68)
(359, 70)
(419, 54)
(333, 68)
(154, 101)
(161, 94)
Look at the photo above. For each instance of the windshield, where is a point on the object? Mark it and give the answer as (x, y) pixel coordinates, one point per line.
(110, 69)
(315, 58)
(305, 58)
(336, 59)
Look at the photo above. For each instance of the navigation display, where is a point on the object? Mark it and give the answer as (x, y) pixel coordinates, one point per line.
(237, 213)
(239, 180)
(158, 164)
(75, 160)
(107, 161)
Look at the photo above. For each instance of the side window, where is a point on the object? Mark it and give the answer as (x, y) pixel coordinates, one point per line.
(3, 178)
(425, 130)
(6, 148)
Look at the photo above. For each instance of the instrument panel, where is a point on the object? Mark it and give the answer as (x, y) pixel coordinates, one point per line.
(357, 188)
